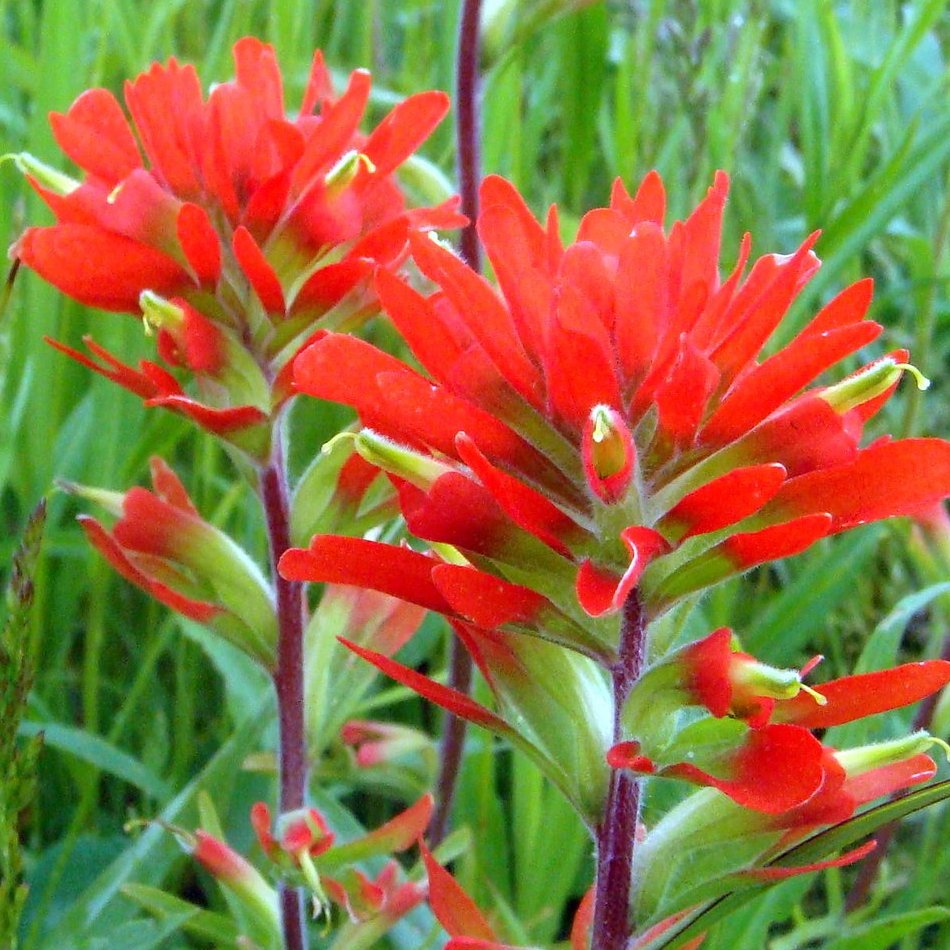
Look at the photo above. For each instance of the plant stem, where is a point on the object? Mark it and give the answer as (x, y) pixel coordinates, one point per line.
(467, 126)
(469, 174)
(288, 676)
(616, 834)
(450, 751)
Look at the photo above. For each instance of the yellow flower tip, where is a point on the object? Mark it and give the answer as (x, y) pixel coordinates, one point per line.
(113, 195)
(815, 695)
(603, 429)
(923, 383)
(346, 169)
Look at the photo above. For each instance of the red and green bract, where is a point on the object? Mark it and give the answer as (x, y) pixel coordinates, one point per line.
(601, 430)
(621, 356)
(241, 225)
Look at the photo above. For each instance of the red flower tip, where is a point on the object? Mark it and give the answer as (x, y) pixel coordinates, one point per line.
(221, 861)
(304, 830)
(775, 873)
(626, 755)
(261, 823)
(453, 908)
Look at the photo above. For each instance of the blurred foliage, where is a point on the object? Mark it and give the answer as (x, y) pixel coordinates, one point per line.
(826, 114)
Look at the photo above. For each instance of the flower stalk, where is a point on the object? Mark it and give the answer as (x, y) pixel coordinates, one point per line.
(288, 674)
(616, 834)
(467, 126)
(469, 174)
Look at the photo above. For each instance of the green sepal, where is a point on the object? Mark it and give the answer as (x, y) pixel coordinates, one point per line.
(826, 842)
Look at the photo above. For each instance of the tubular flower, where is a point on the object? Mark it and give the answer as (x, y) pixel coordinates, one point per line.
(233, 227)
(710, 836)
(605, 422)
(305, 847)
(160, 543)
(255, 896)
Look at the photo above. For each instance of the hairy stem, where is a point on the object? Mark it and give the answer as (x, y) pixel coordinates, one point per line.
(467, 126)
(288, 676)
(450, 751)
(616, 833)
(469, 174)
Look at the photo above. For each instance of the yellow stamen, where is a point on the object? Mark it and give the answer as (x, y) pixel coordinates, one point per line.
(815, 695)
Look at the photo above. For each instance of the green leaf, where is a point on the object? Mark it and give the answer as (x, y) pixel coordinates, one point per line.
(801, 608)
(97, 752)
(149, 857)
(882, 646)
(205, 924)
(885, 933)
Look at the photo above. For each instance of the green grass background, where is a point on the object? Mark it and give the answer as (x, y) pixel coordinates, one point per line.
(826, 114)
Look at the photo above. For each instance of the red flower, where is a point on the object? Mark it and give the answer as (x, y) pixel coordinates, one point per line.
(258, 224)
(160, 543)
(606, 419)
(304, 846)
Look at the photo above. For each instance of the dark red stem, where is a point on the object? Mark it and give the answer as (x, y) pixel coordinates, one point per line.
(453, 741)
(469, 173)
(467, 81)
(616, 833)
(288, 676)
(861, 888)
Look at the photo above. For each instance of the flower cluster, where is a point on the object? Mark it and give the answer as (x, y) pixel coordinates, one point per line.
(303, 850)
(595, 445)
(584, 450)
(605, 423)
(234, 230)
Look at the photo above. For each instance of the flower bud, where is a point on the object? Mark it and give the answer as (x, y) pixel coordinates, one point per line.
(608, 454)
(45, 175)
(868, 383)
(417, 469)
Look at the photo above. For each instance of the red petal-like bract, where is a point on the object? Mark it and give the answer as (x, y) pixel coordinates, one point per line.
(781, 873)
(727, 499)
(453, 908)
(854, 697)
(307, 205)
(450, 699)
(885, 479)
(97, 267)
(111, 550)
(775, 769)
(391, 570)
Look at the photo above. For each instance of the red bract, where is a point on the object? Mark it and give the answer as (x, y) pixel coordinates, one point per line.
(257, 223)
(590, 444)
(606, 417)
(160, 543)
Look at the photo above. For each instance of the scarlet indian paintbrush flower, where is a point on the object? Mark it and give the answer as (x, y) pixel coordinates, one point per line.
(231, 225)
(161, 543)
(607, 417)
(591, 446)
